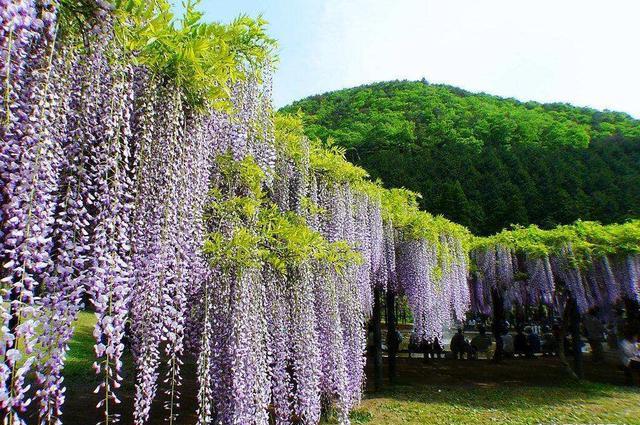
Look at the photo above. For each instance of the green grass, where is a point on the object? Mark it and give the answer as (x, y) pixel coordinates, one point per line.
(516, 392)
(81, 354)
(587, 403)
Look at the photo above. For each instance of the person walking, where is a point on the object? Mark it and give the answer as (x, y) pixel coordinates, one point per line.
(458, 345)
(595, 335)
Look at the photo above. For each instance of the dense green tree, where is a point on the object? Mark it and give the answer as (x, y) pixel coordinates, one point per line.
(485, 161)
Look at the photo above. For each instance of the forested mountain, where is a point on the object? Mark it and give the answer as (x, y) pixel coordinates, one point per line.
(485, 161)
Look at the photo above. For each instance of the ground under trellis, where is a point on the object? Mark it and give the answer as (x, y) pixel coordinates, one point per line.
(447, 391)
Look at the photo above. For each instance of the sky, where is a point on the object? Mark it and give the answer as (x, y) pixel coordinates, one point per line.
(585, 52)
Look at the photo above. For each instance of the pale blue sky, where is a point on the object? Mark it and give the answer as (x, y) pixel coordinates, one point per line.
(584, 52)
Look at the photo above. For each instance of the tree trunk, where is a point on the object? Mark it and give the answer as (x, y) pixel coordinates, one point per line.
(498, 324)
(633, 314)
(575, 336)
(561, 337)
(392, 344)
(377, 341)
(517, 316)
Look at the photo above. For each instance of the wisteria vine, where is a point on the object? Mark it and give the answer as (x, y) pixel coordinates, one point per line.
(595, 265)
(152, 178)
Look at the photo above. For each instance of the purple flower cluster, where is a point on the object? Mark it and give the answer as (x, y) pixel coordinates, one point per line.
(434, 283)
(286, 346)
(30, 160)
(64, 287)
(527, 280)
(328, 307)
(454, 286)
(104, 179)
(316, 336)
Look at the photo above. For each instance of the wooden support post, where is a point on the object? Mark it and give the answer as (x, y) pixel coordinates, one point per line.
(633, 314)
(575, 336)
(498, 324)
(392, 340)
(377, 340)
(560, 338)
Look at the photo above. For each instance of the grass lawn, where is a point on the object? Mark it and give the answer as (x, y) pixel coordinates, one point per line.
(440, 392)
(81, 355)
(519, 391)
(423, 404)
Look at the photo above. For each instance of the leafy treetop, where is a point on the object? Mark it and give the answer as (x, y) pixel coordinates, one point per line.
(202, 59)
(484, 161)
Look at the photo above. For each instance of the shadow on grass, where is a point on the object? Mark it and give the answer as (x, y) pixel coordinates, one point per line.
(511, 385)
(539, 385)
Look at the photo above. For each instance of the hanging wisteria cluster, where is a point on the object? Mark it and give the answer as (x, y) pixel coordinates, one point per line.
(526, 282)
(533, 267)
(436, 290)
(105, 170)
(334, 200)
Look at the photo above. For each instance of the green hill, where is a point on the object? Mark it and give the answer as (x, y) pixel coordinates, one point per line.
(484, 161)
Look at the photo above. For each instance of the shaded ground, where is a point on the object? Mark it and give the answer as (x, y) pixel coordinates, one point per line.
(522, 391)
(440, 392)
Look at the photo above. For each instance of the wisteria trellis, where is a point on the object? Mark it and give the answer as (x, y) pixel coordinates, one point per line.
(114, 189)
(530, 279)
(107, 171)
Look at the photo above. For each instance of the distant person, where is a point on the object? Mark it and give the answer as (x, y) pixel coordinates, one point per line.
(507, 344)
(548, 342)
(481, 343)
(595, 334)
(469, 350)
(520, 346)
(427, 349)
(127, 338)
(629, 354)
(533, 342)
(399, 339)
(457, 345)
(393, 341)
(536, 329)
(437, 348)
(414, 344)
